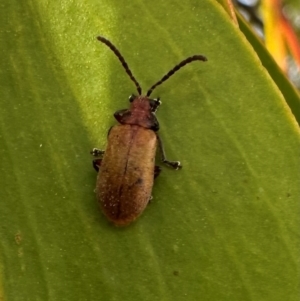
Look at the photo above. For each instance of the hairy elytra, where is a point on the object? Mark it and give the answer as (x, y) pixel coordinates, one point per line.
(126, 169)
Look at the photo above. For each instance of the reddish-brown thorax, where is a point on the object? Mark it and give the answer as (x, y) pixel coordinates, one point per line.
(140, 113)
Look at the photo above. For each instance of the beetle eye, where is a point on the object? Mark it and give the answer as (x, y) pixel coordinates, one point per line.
(132, 97)
(155, 103)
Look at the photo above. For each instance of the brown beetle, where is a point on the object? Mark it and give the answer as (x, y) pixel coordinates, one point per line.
(127, 166)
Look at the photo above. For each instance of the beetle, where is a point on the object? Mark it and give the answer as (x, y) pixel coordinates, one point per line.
(126, 169)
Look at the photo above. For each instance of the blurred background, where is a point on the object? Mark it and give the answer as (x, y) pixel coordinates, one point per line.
(277, 23)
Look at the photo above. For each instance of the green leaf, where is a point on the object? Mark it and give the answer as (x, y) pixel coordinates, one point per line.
(225, 227)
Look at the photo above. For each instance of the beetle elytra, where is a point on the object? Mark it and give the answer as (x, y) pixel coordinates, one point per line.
(126, 169)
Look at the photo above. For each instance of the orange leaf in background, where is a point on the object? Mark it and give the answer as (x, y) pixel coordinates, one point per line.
(280, 37)
(291, 39)
(274, 39)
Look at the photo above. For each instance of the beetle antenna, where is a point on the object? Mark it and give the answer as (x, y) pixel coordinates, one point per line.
(190, 59)
(122, 60)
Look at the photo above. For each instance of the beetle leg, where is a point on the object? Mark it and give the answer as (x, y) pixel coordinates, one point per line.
(150, 200)
(96, 152)
(157, 103)
(173, 164)
(157, 171)
(97, 164)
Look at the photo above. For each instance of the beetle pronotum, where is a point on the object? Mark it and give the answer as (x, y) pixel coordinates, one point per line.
(127, 166)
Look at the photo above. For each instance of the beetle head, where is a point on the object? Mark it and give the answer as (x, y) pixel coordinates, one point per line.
(141, 112)
(153, 103)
